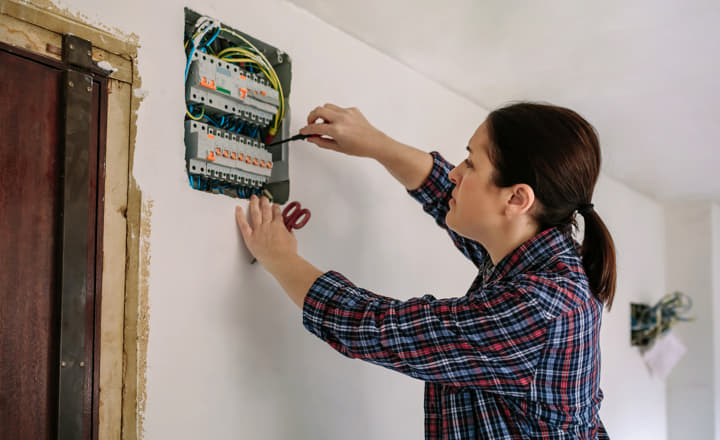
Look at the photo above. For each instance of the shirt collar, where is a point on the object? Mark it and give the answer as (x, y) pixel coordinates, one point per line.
(532, 254)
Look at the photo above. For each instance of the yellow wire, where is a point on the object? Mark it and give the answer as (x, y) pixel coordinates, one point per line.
(194, 117)
(274, 80)
(281, 111)
(257, 59)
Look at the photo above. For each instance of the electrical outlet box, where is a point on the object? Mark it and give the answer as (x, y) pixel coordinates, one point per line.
(236, 94)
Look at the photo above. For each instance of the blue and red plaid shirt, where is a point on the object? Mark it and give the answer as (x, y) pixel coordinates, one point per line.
(517, 357)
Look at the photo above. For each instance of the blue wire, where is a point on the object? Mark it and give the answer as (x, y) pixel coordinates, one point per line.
(213, 37)
(191, 183)
(211, 120)
(187, 67)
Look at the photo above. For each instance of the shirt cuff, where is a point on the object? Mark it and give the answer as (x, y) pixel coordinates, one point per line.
(436, 183)
(319, 298)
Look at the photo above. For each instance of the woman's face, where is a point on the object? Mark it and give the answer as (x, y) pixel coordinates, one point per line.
(477, 204)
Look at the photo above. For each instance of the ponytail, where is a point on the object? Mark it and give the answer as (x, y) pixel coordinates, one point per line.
(557, 152)
(598, 257)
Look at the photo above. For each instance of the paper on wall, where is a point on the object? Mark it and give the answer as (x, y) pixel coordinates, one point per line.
(664, 355)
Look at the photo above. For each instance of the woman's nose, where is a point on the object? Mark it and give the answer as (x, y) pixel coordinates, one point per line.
(452, 175)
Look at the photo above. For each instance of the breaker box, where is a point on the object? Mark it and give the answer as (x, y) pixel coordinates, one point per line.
(236, 95)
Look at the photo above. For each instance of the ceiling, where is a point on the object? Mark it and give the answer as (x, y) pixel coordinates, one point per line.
(645, 73)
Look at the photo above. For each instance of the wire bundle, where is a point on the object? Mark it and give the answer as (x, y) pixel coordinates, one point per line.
(647, 323)
(206, 37)
(245, 56)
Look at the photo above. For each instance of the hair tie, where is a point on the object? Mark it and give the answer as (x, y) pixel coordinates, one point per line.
(585, 209)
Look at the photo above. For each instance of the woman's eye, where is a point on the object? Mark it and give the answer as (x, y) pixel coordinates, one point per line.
(468, 164)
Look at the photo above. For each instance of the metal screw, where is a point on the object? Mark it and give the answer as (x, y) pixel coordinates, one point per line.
(89, 53)
(71, 84)
(89, 89)
(82, 364)
(71, 46)
(63, 364)
(279, 57)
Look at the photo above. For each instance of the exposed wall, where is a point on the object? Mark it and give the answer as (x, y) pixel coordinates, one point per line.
(691, 385)
(228, 355)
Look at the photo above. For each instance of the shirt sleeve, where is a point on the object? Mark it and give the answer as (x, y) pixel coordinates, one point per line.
(435, 194)
(493, 344)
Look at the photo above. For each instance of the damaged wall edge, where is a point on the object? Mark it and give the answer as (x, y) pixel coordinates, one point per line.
(38, 26)
(136, 328)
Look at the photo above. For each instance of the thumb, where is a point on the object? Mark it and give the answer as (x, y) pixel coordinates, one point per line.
(242, 223)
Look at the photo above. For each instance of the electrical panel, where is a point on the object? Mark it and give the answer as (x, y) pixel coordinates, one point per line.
(236, 97)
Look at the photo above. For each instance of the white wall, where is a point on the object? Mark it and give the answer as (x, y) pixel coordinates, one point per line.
(715, 268)
(228, 356)
(691, 384)
(634, 405)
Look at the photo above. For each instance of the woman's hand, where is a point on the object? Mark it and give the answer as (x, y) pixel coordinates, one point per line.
(276, 248)
(266, 235)
(348, 129)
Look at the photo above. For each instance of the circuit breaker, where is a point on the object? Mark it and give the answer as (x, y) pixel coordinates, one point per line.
(236, 97)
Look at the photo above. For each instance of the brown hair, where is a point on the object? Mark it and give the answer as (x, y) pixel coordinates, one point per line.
(557, 152)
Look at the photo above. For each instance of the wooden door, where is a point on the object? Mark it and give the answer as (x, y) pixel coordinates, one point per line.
(34, 248)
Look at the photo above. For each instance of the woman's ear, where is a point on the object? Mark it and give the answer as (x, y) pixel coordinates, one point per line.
(522, 198)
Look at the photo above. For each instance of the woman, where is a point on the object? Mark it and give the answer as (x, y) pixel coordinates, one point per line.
(518, 356)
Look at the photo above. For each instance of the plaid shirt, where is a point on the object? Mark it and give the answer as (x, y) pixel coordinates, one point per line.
(517, 357)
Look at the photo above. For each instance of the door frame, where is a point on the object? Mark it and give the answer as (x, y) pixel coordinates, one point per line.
(124, 238)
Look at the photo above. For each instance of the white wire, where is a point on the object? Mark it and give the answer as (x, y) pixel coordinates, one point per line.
(203, 25)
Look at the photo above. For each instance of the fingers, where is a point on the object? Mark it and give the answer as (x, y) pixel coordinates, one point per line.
(266, 210)
(333, 107)
(324, 143)
(277, 216)
(242, 223)
(325, 113)
(322, 129)
(255, 214)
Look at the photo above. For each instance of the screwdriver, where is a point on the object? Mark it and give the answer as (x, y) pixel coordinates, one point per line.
(297, 137)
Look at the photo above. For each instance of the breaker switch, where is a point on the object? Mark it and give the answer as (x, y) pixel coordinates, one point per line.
(211, 156)
(210, 85)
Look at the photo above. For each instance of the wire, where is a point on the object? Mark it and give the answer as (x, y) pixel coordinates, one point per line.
(189, 59)
(211, 120)
(647, 323)
(196, 118)
(266, 67)
(213, 38)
